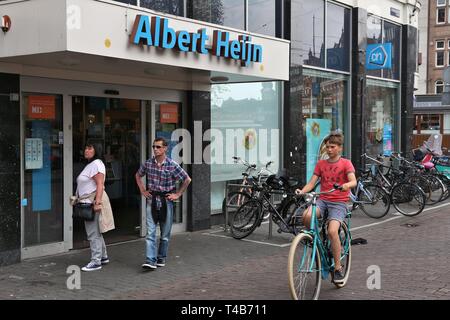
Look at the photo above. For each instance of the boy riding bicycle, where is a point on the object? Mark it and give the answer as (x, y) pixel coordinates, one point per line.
(335, 170)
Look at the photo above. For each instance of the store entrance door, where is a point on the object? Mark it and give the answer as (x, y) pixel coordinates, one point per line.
(115, 125)
(42, 199)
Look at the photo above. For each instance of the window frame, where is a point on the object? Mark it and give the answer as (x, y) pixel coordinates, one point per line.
(437, 15)
(440, 84)
(441, 5)
(436, 59)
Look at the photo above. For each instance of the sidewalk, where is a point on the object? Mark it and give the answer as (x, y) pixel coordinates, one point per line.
(190, 255)
(210, 265)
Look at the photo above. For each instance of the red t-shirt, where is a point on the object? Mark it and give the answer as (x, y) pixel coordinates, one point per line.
(331, 173)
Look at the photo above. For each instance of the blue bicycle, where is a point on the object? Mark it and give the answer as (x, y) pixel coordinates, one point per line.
(310, 257)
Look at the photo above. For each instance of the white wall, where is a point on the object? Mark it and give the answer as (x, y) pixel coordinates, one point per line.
(86, 26)
(423, 48)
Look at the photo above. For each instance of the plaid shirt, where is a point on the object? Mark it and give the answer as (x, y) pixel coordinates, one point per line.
(164, 178)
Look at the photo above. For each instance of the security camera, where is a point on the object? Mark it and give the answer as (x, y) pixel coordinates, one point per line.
(5, 23)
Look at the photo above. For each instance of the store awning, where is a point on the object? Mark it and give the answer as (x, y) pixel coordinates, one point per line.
(111, 38)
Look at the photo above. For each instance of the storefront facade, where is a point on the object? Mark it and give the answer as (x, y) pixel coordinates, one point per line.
(101, 71)
(107, 78)
(334, 84)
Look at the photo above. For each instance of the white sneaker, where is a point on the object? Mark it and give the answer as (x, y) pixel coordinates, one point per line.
(91, 266)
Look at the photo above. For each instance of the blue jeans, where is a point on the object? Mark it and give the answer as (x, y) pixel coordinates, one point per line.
(150, 239)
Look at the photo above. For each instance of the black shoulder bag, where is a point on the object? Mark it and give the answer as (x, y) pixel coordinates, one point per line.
(83, 211)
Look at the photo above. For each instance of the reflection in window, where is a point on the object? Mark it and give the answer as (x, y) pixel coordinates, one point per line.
(175, 7)
(392, 34)
(228, 13)
(380, 31)
(338, 37)
(381, 126)
(254, 135)
(307, 38)
(262, 16)
(325, 96)
(374, 35)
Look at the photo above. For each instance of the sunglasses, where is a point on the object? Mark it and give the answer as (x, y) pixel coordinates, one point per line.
(157, 147)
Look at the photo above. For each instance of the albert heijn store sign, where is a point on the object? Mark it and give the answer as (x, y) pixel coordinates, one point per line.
(156, 31)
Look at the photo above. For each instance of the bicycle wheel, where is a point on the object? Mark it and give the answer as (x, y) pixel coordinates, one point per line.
(346, 252)
(304, 271)
(246, 218)
(437, 188)
(235, 200)
(424, 184)
(374, 201)
(408, 199)
(446, 182)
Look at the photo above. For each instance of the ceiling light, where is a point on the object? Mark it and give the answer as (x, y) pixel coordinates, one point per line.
(69, 62)
(219, 79)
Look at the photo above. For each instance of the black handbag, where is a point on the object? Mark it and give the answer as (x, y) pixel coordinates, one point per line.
(83, 211)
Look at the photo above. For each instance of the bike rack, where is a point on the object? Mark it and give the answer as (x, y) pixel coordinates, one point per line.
(232, 186)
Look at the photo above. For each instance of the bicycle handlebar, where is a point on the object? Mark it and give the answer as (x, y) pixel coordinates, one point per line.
(317, 194)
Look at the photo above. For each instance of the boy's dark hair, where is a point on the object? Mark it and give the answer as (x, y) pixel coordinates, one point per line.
(98, 150)
(164, 142)
(335, 138)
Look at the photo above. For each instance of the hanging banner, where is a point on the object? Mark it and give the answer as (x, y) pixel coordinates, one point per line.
(42, 178)
(316, 131)
(41, 107)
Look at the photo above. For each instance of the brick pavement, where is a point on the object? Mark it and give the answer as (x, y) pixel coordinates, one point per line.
(208, 265)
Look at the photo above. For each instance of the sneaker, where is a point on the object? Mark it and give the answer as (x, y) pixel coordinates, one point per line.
(161, 262)
(149, 266)
(105, 260)
(92, 266)
(339, 275)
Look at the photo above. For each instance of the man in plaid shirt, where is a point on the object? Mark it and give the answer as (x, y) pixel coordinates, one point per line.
(162, 175)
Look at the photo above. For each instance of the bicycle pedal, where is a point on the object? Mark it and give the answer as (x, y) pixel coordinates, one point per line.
(279, 230)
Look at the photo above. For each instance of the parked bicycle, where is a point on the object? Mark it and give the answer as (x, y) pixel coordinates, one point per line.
(407, 198)
(251, 213)
(372, 199)
(236, 198)
(310, 257)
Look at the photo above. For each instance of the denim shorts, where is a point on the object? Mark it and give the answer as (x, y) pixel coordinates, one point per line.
(336, 210)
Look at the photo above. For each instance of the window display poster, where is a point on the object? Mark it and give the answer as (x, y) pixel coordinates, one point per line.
(168, 113)
(42, 178)
(387, 140)
(316, 131)
(33, 153)
(41, 107)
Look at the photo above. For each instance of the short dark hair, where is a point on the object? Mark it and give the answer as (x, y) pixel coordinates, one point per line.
(97, 148)
(335, 137)
(164, 141)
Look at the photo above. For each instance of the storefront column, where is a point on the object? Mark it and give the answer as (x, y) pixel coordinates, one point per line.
(10, 226)
(409, 65)
(199, 121)
(359, 92)
(294, 139)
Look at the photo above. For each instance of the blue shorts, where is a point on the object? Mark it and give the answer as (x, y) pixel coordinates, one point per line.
(336, 210)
